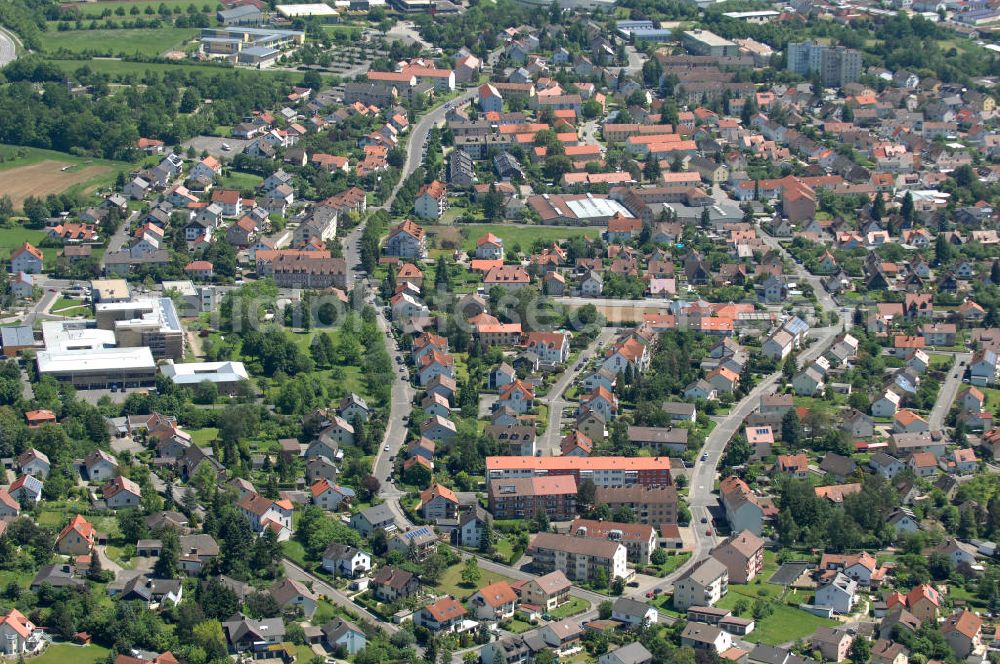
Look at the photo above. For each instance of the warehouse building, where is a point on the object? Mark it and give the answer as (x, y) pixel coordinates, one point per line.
(100, 369)
(703, 42)
(226, 376)
(315, 10)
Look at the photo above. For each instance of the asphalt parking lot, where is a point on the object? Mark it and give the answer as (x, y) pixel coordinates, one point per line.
(213, 145)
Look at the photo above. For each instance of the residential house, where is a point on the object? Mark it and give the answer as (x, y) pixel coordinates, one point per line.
(294, 595)
(743, 556)
(390, 584)
(377, 517)
(345, 560)
(703, 585)
(121, 492)
(839, 594)
(443, 615)
(341, 634)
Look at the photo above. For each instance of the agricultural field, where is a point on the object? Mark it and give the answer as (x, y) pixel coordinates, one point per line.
(34, 172)
(126, 41)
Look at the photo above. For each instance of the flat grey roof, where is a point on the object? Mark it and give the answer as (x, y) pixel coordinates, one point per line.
(20, 335)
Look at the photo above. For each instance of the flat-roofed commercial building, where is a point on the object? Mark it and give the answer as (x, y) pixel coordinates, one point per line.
(224, 375)
(579, 209)
(319, 10)
(100, 368)
(16, 338)
(703, 42)
(151, 322)
(110, 290)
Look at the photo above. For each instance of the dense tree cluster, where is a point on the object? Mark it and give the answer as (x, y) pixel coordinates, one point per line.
(108, 122)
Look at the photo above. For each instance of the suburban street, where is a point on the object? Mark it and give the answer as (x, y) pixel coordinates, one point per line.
(400, 407)
(320, 587)
(701, 497)
(822, 295)
(703, 502)
(401, 403)
(414, 157)
(948, 392)
(118, 240)
(548, 443)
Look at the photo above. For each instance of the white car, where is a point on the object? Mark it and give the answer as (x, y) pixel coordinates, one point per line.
(385, 449)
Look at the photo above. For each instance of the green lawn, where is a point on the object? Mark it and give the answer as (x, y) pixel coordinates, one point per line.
(76, 306)
(203, 436)
(294, 550)
(992, 398)
(16, 156)
(325, 611)
(120, 556)
(940, 361)
(451, 582)
(506, 549)
(126, 41)
(519, 626)
(54, 518)
(673, 562)
(786, 623)
(60, 653)
(14, 236)
(241, 181)
(511, 235)
(571, 608)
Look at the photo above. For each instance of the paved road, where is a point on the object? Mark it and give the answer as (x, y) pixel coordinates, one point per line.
(822, 295)
(701, 499)
(321, 587)
(414, 157)
(948, 392)
(635, 60)
(120, 237)
(8, 47)
(549, 441)
(401, 403)
(400, 407)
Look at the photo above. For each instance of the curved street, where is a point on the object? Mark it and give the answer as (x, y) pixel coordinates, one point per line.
(8, 47)
(702, 499)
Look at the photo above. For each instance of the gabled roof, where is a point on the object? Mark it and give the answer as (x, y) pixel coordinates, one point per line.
(119, 484)
(497, 594)
(445, 609)
(438, 490)
(18, 622)
(79, 525)
(966, 623)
